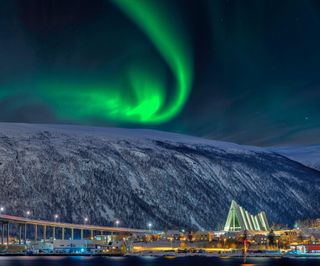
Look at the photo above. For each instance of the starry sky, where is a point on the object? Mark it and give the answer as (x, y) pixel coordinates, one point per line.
(245, 71)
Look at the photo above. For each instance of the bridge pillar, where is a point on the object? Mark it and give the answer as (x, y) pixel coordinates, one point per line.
(35, 232)
(20, 233)
(8, 234)
(25, 234)
(53, 233)
(44, 233)
(62, 229)
(2, 233)
(72, 233)
(81, 234)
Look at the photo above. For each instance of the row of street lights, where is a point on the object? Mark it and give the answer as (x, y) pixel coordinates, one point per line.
(2, 209)
(86, 219)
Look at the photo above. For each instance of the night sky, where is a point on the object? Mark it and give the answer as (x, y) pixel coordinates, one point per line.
(241, 71)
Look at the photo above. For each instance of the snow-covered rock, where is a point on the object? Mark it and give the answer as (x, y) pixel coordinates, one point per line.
(141, 176)
(308, 155)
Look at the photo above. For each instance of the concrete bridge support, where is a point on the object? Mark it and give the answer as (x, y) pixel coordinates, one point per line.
(62, 233)
(20, 233)
(25, 234)
(8, 233)
(35, 233)
(44, 233)
(2, 233)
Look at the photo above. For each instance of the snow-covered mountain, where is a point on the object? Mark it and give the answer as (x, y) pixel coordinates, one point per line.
(140, 176)
(307, 155)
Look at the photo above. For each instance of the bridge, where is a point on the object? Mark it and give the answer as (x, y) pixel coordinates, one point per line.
(23, 222)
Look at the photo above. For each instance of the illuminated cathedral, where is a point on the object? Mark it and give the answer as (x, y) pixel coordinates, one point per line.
(240, 219)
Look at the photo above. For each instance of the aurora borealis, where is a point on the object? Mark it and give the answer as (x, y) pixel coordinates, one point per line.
(173, 49)
(143, 98)
(242, 72)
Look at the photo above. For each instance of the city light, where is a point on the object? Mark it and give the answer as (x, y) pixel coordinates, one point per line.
(1, 209)
(56, 216)
(292, 241)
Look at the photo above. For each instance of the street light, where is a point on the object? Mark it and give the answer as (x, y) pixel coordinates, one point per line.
(117, 222)
(86, 219)
(1, 209)
(28, 213)
(56, 216)
(149, 226)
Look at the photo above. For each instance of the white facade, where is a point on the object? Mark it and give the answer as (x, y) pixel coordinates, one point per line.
(240, 219)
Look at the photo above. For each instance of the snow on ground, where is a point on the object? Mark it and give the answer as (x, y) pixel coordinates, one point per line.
(141, 176)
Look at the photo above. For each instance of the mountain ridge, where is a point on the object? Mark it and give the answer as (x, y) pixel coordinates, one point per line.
(139, 176)
(308, 155)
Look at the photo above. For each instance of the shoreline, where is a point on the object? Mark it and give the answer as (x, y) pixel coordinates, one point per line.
(162, 255)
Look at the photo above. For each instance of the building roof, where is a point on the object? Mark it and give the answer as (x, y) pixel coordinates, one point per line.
(240, 219)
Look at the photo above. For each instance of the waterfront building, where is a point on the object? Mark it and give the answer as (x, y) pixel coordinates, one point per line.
(44, 247)
(260, 239)
(308, 223)
(240, 219)
(286, 237)
(72, 246)
(305, 249)
(172, 235)
(116, 247)
(200, 236)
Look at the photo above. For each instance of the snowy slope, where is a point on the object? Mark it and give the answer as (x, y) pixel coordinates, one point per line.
(138, 176)
(307, 155)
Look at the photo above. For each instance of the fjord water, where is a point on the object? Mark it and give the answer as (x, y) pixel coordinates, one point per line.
(152, 261)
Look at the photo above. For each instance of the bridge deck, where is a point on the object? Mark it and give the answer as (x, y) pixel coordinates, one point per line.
(22, 220)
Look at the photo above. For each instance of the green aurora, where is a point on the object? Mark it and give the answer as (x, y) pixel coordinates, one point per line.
(223, 70)
(142, 98)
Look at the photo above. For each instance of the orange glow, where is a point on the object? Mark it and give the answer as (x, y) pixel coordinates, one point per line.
(166, 248)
